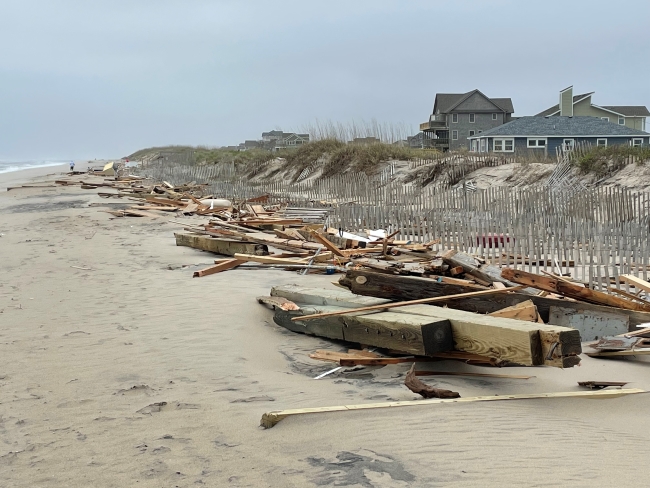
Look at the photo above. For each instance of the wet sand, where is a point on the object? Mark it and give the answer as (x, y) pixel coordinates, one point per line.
(118, 369)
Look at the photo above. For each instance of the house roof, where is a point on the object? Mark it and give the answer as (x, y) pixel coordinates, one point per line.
(560, 127)
(447, 101)
(556, 108)
(629, 110)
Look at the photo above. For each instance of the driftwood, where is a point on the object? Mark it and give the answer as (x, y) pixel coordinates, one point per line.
(417, 386)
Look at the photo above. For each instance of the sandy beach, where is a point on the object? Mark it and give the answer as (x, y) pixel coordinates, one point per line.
(117, 369)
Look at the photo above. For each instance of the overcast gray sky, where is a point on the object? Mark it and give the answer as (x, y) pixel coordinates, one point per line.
(95, 78)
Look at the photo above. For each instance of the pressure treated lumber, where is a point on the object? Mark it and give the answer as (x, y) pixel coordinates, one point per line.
(410, 334)
(571, 290)
(270, 419)
(517, 341)
(218, 268)
(330, 247)
(226, 247)
(411, 287)
(324, 296)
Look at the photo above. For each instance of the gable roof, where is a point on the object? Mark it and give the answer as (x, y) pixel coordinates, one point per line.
(556, 108)
(446, 102)
(629, 110)
(561, 127)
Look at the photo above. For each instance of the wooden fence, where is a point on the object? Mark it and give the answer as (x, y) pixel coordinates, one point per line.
(596, 234)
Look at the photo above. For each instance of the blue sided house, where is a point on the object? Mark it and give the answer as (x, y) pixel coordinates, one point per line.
(542, 135)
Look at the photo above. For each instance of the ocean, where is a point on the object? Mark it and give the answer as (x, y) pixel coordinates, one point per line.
(10, 166)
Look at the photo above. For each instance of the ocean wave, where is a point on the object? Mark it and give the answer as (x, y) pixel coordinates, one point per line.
(20, 166)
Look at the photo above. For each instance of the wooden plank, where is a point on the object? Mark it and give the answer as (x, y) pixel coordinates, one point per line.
(555, 285)
(407, 303)
(487, 273)
(270, 259)
(635, 352)
(320, 296)
(218, 268)
(270, 419)
(336, 356)
(638, 283)
(219, 246)
(522, 311)
(480, 375)
(328, 245)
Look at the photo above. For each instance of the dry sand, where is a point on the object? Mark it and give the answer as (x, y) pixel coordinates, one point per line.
(86, 354)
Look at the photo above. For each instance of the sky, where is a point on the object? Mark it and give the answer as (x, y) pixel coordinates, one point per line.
(84, 79)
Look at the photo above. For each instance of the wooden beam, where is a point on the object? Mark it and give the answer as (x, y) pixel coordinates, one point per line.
(522, 311)
(571, 290)
(487, 273)
(407, 303)
(635, 282)
(270, 259)
(226, 247)
(632, 352)
(218, 268)
(480, 375)
(270, 419)
(330, 247)
(278, 302)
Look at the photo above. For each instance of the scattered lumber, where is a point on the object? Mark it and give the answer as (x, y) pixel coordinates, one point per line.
(270, 419)
(410, 288)
(426, 391)
(571, 290)
(226, 247)
(218, 268)
(592, 324)
(487, 273)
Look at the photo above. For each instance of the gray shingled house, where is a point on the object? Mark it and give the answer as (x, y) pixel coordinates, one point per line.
(632, 116)
(458, 116)
(542, 135)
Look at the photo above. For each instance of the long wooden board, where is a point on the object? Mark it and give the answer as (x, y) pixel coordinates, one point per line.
(411, 287)
(270, 419)
(571, 290)
(218, 268)
(635, 282)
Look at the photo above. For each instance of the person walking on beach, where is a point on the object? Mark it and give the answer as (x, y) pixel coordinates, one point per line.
(71, 166)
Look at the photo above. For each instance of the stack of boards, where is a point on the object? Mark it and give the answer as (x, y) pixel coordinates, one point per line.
(427, 330)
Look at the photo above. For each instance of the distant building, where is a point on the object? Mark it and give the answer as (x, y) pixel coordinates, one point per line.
(632, 116)
(458, 116)
(542, 135)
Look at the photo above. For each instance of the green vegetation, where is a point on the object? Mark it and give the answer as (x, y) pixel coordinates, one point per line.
(602, 160)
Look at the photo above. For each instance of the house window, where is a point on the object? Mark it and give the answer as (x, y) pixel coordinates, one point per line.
(483, 148)
(472, 118)
(606, 119)
(454, 135)
(637, 142)
(494, 116)
(568, 144)
(471, 133)
(454, 118)
(504, 145)
(601, 142)
(537, 143)
(621, 121)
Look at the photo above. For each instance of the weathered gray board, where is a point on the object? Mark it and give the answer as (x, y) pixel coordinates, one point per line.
(591, 324)
(336, 297)
(411, 334)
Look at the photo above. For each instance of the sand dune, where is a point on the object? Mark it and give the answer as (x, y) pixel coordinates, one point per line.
(128, 372)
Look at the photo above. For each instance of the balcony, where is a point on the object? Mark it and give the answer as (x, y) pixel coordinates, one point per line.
(435, 122)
